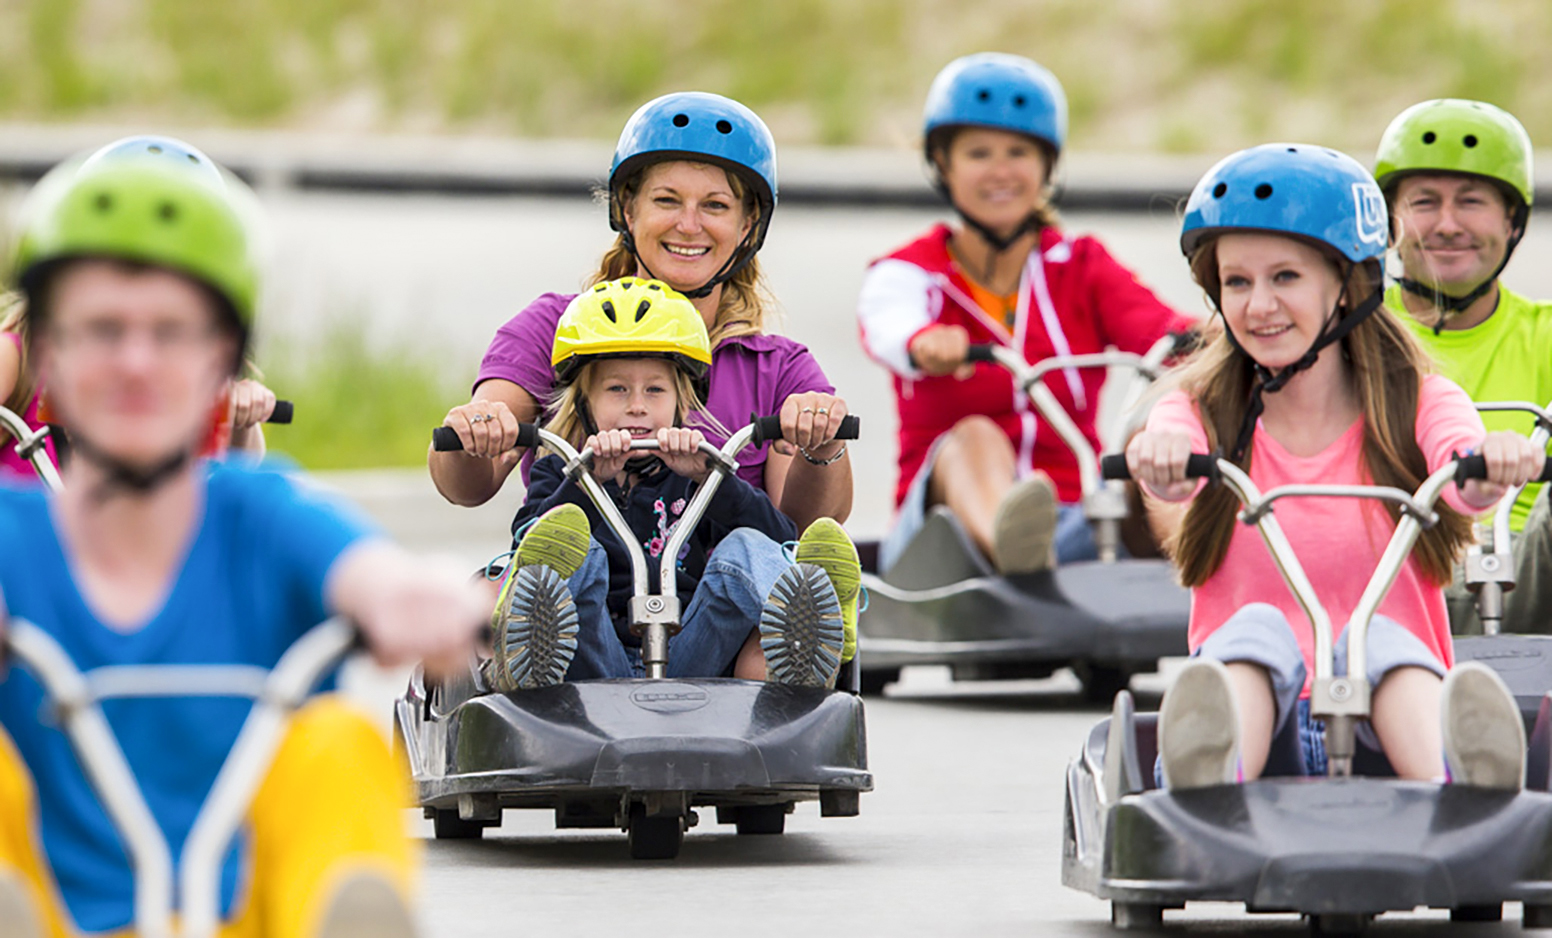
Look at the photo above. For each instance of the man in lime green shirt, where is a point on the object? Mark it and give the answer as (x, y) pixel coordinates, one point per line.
(1457, 177)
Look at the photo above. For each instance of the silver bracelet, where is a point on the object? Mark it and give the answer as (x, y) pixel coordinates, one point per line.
(823, 462)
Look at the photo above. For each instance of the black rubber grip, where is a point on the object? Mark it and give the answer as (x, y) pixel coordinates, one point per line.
(769, 428)
(981, 353)
(1186, 341)
(1475, 467)
(445, 439)
(281, 413)
(1112, 466)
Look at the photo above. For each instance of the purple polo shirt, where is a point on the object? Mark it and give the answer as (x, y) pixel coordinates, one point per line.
(749, 373)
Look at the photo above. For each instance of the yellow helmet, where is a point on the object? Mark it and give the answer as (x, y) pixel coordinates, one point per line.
(632, 318)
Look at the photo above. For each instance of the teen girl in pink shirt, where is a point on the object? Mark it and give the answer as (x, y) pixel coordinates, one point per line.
(1313, 380)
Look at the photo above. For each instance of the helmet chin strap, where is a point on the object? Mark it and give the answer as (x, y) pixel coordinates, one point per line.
(741, 257)
(1268, 382)
(1448, 305)
(126, 478)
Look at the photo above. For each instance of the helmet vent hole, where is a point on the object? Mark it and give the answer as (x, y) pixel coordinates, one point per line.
(642, 307)
(608, 308)
(154, 148)
(1264, 191)
(191, 158)
(1430, 137)
(1470, 140)
(103, 202)
(1018, 100)
(167, 211)
(1293, 149)
(681, 120)
(654, 286)
(1220, 189)
(723, 127)
(983, 95)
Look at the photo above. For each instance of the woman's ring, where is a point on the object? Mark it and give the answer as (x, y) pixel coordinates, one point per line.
(822, 410)
(806, 410)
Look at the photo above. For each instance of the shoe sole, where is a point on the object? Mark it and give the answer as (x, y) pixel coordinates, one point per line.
(827, 546)
(1025, 527)
(1199, 728)
(801, 631)
(1484, 740)
(366, 906)
(537, 637)
(558, 540)
(18, 914)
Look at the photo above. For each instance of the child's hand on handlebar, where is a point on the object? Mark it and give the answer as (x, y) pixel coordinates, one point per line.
(1511, 459)
(611, 449)
(1158, 460)
(941, 350)
(679, 450)
(487, 429)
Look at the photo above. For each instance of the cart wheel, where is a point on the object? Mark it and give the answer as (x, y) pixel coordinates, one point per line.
(1102, 682)
(1477, 913)
(656, 837)
(1136, 916)
(1332, 924)
(447, 825)
(874, 680)
(761, 819)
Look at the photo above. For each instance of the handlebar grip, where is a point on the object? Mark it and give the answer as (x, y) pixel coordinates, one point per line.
(1112, 467)
(445, 439)
(767, 429)
(1475, 467)
(1186, 341)
(981, 353)
(281, 413)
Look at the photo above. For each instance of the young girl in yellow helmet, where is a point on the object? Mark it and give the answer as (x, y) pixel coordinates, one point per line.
(631, 358)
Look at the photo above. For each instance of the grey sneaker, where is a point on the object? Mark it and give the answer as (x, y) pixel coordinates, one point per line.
(1025, 527)
(366, 906)
(536, 631)
(1484, 740)
(801, 630)
(18, 913)
(1199, 728)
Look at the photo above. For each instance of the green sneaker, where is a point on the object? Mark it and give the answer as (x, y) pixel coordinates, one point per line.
(827, 546)
(800, 629)
(535, 620)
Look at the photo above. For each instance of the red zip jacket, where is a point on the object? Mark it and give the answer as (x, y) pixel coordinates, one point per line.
(1074, 298)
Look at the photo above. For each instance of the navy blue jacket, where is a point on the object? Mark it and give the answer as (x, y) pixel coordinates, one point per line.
(652, 506)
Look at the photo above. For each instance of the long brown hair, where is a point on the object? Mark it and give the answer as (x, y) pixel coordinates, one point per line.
(745, 304)
(1387, 366)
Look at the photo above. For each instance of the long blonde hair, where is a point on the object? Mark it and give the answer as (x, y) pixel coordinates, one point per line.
(1387, 369)
(745, 304)
(13, 319)
(570, 408)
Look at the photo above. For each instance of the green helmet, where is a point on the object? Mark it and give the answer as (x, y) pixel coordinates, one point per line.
(1454, 136)
(150, 211)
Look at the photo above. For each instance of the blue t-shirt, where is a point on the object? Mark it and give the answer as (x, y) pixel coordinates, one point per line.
(251, 583)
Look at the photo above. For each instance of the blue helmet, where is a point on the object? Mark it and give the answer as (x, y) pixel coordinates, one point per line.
(1001, 91)
(1305, 191)
(707, 128)
(170, 150)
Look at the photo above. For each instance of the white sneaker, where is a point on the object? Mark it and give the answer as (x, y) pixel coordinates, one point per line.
(1484, 739)
(1199, 728)
(18, 913)
(1024, 530)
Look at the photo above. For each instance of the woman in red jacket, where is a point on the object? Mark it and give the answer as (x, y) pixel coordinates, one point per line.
(994, 126)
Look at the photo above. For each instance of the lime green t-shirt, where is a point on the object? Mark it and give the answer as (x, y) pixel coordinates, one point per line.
(1506, 358)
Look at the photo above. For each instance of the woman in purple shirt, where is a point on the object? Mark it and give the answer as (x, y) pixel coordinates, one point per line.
(691, 192)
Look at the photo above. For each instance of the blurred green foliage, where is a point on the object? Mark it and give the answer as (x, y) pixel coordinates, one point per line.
(359, 404)
(1143, 74)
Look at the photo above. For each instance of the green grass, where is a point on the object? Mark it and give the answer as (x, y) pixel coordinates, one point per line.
(358, 406)
(1144, 74)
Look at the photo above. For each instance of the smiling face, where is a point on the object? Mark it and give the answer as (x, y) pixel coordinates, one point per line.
(134, 358)
(1451, 230)
(634, 394)
(687, 220)
(995, 176)
(1276, 294)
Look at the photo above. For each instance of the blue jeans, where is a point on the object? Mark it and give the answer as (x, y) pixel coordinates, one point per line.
(717, 621)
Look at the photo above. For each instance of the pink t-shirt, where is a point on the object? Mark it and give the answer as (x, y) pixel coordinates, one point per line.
(1337, 540)
(12, 465)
